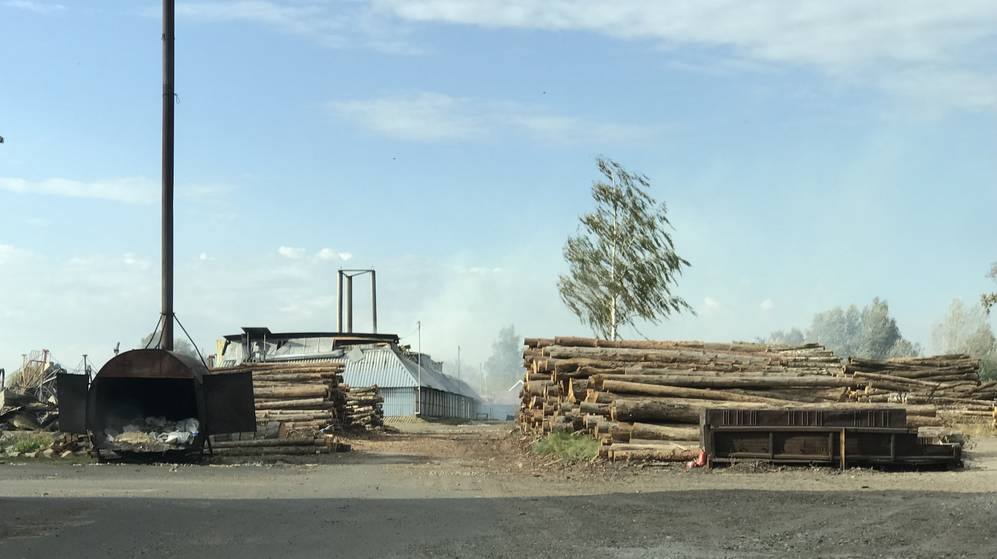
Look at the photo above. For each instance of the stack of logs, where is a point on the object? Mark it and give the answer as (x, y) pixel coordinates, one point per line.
(949, 382)
(298, 407)
(364, 409)
(642, 399)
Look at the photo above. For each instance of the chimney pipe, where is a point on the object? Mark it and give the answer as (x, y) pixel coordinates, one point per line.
(167, 209)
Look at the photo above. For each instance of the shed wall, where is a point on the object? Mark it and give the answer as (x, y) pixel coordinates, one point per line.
(398, 401)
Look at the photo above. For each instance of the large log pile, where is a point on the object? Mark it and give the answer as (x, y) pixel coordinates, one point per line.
(364, 408)
(299, 409)
(949, 382)
(643, 399)
(297, 400)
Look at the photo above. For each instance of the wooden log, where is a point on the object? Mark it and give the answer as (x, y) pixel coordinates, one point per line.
(256, 443)
(292, 392)
(594, 408)
(261, 416)
(305, 403)
(648, 431)
(653, 411)
(623, 387)
(757, 382)
(596, 397)
(273, 451)
(620, 431)
(296, 377)
(879, 377)
(923, 421)
(676, 453)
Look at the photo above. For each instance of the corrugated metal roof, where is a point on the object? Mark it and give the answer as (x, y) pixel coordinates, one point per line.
(385, 366)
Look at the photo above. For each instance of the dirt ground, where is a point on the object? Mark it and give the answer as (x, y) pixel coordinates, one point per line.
(436, 490)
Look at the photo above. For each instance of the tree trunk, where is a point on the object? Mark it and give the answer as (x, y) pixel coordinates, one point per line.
(649, 431)
(622, 387)
(739, 381)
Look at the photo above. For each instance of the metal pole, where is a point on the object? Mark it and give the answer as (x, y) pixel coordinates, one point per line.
(167, 237)
(458, 362)
(419, 361)
(339, 305)
(349, 303)
(373, 298)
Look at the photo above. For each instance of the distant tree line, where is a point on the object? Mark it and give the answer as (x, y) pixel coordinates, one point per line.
(871, 333)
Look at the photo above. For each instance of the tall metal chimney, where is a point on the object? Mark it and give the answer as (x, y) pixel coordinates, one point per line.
(167, 240)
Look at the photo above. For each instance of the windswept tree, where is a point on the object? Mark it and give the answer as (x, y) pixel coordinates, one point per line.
(990, 299)
(965, 329)
(622, 264)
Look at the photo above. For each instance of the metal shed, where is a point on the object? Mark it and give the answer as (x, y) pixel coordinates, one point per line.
(411, 384)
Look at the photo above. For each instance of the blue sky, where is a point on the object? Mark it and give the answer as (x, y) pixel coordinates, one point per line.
(812, 154)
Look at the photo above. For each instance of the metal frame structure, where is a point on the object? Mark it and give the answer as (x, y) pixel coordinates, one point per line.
(833, 437)
(345, 277)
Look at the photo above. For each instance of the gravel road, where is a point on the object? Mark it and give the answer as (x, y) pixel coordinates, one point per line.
(464, 494)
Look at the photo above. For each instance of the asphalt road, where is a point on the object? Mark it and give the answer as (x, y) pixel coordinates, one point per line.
(453, 496)
(667, 524)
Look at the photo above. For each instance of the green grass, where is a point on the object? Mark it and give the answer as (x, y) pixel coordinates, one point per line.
(567, 446)
(27, 443)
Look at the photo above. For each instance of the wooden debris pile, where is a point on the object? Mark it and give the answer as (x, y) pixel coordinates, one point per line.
(949, 382)
(22, 411)
(643, 399)
(364, 410)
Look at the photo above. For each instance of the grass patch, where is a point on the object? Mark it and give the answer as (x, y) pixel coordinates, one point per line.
(567, 446)
(26, 443)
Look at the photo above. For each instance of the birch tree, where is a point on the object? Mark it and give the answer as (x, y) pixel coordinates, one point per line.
(622, 263)
(990, 299)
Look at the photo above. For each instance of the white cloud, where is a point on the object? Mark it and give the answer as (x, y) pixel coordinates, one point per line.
(430, 116)
(118, 190)
(136, 190)
(291, 18)
(8, 252)
(332, 24)
(423, 117)
(203, 256)
(330, 254)
(766, 305)
(943, 87)
(710, 304)
(136, 262)
(857, 40)
(35, 6)
(291, 252)
(477, 270)
(826, 34)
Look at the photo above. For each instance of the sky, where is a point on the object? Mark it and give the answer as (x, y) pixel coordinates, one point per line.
(811, 153)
